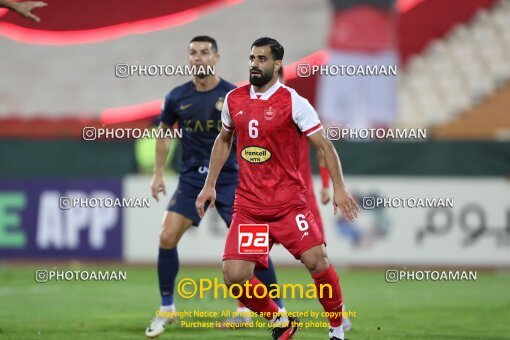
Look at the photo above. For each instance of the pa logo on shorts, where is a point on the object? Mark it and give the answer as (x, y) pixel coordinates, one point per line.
(253, 238)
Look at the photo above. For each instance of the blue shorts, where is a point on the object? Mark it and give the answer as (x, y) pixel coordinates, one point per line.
(191, 183)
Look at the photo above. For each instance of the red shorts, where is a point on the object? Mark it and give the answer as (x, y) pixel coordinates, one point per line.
(294, 227)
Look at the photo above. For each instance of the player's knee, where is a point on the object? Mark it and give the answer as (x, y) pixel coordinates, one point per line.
(317, 263)
(167, 240)
(321, 265)
(231, 277)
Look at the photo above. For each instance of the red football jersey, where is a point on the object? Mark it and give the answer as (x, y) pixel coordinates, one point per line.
(269, 129)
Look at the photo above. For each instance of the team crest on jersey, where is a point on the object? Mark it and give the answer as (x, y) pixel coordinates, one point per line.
(219, 103)
(269, 113)
(255, 154)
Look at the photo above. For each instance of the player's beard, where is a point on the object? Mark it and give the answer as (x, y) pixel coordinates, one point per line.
(263, 79)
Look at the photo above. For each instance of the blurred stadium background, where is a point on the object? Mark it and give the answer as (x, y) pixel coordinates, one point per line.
(57, 77)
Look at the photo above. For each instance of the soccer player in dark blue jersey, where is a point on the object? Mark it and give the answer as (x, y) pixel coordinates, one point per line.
(196, 107)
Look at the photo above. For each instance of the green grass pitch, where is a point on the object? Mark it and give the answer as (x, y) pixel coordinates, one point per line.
(122, 309)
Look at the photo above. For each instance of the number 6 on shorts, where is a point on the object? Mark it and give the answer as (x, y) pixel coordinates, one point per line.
(301, 222)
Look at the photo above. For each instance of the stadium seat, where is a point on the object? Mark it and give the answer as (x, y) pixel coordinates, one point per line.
(458, 71)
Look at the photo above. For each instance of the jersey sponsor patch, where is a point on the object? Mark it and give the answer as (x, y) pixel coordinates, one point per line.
(253, 239)
(255, 154)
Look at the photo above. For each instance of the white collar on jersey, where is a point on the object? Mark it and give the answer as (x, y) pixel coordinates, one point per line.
(266, 95)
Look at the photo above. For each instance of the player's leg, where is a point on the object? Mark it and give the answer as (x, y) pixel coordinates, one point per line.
(251, 293)
(238, 269)
(174, 226)
(268, 277)
(346, 322)
(298, 233)
(224, 203)
(225, 195)
(316, 261)
(326, 280)
(242, 318)
(181, 215)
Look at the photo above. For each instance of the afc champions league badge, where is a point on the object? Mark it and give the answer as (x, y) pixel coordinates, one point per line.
(219, 103)
(269, 113)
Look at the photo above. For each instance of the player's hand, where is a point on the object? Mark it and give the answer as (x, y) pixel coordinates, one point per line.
(207, 194)
(157, 186)
(343, 200)
(25, 8)
(325, 197)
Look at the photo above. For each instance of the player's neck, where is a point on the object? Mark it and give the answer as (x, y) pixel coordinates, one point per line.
(264, 88)
(206, 83)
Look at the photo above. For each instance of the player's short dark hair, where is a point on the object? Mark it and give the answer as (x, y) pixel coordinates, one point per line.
(276, 47)
(208, 39)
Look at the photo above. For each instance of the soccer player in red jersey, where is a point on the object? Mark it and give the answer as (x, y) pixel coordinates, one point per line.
(270, 120)
(242, 318)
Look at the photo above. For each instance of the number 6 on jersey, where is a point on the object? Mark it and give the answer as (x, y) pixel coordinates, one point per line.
(253, 132)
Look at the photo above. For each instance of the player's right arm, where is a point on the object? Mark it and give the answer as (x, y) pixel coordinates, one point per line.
(219, 155)
(162, 147)
(168, 119)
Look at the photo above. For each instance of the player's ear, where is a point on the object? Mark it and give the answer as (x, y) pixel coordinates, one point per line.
(277, 65)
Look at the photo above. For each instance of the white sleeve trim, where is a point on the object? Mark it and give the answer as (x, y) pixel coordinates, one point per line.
(313, 130)
(226, 119)
(304, 115)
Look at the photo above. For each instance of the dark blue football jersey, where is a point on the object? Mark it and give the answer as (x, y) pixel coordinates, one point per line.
(199, 117)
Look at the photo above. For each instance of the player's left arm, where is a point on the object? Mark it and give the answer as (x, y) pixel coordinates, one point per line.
(307, 120)
(323, 170)
(342, 199)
